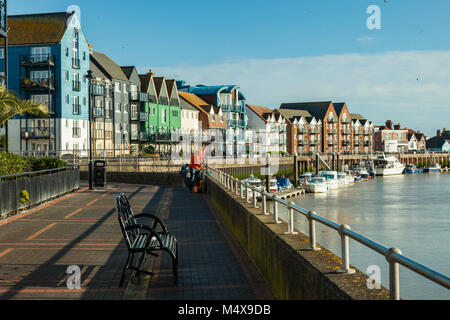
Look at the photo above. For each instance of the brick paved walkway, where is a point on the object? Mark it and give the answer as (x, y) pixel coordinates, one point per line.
(82, 229)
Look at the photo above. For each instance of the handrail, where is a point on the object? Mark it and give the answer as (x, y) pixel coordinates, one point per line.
(37, 172)
(393, 255)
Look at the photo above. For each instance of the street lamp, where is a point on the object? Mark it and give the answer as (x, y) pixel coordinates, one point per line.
(89, 76)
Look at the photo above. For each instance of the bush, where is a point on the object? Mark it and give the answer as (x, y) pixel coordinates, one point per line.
(47, 163)
(24, 197)
(15, 164)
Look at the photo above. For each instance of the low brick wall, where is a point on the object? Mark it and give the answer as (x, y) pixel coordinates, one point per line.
(151, 178)
(291, 271)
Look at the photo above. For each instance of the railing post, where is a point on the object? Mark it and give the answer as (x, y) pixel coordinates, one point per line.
(394, 277)
(247, 193)
(345, 251)
(255, 199)
(242, 189)
(264, 203)
(237, 187)
(312, 231)
(291, 219)
(275, 210)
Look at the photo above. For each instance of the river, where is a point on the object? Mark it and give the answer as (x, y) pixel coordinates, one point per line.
(410, 212)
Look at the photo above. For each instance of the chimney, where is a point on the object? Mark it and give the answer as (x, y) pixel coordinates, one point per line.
(91, 50)
(389, 124)
(151, 73)
(439, 133)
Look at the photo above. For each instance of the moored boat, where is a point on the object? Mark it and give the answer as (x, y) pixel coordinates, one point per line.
(432, 168)
(317, 185)
(388, 166)
(331, 179)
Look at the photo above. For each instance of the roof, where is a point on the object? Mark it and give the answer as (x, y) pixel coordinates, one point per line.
(356, 116)
(436, 142)
(171, 84)
(128, 71)
(186, 105)
(96, 72)
(158, 84)
(109, 66)
(41, 28)
(260, 111)
(145, 81)
(193, 100)
(316, 109)
(339, 107)
(291, 115)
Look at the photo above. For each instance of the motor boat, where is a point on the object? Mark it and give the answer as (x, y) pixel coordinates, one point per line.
(284, 184)
(254, 182)
(331, 179)
(345, 179)
(411, 168)
(305, 178)
(388, 166)
(317, 185)
(362, 172)
(433, 168)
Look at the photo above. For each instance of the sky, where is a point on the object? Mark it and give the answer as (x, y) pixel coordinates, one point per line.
(286, 51)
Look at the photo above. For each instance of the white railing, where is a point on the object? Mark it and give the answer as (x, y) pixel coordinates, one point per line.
(394, 256)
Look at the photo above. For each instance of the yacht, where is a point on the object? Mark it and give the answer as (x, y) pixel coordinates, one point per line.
(317, 185)
(254, 182)
(331, 179)
(345, 179)
(305, 178)
(388, 166)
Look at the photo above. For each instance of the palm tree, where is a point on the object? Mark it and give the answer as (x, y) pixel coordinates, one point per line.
(11, 105)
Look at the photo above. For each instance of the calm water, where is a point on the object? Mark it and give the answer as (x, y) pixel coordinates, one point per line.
(410, 212)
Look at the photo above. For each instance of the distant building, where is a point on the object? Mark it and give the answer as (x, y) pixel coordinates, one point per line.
(439, 143)
(391, 138)
(362, 134)
(267, 131)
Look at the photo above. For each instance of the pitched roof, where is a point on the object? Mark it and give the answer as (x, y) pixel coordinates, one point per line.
(145, 81)
(436, 142)
(41, 28)
(171, 84)
(108, 66)
(128, 71)
(356, 116)
(339, 107)
(260, 111)
(316, 109)
(291, 115)
(97, 73)
(193, 100)
(186, 105)
(158, 84)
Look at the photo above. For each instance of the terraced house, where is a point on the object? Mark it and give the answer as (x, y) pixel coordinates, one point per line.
(164, 113)
(120, 102)
(363, 134)
(48, 59)
(233, 105)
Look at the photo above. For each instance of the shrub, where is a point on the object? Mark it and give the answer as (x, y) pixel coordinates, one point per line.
(24, 197)
(13, 164)
(47, 163)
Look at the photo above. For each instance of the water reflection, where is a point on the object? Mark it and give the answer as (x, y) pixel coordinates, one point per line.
(409, 212)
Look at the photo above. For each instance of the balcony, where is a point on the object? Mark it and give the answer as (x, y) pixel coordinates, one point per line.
(143, 116)
(347, 132)
(108, 113)
(76, 85)
(43, 84)
(332, 143)
(134, 116)
(315, 131)
(226, 108)
(144, 136)
(242, 124)
(143, 97)
(346, 121)
(358, 132)
(332, 120)
(76, 132)
(232, 123)
(302, 142)
(332, 131)
(356, 142)
(135, 136)
(99, 134)
(75, 63)
(134, 96)
(98, 90)
(99, 112)
(162, 138)
(367, 143)
(108, 134)
(346, 143)
(37, 61)
(314, 142)
(37, 133)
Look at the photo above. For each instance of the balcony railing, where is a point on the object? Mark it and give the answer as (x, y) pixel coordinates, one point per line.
(108, 134)
(99, 112)
(42, 84)
(37, 60)
(314, 142)
(109, 113)
(76, 132)
(37, 133)
(135, 135)
(315, 131)
(332, 131)
(76, 85)
(346, 143)
(134, 116)
(98, 90)
(242, 124)
(232, 123)
(99, 134)
(356, 142)
(302, 142)
(143, 97)
(134, 96)
(76, 108)
(347, 132)
(143, 116)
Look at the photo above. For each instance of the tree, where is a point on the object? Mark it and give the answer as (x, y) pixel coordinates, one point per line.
(11, 105)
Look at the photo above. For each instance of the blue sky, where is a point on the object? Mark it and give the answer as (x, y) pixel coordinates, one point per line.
(216, 42)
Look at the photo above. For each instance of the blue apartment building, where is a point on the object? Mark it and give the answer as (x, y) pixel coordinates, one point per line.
(48, 59)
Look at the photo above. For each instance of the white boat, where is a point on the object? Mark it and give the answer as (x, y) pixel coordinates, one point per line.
(388, 166)
(254, 182)
(433, 168)
(305, 178)
(331, 179)
(317, 185)
(345, 179)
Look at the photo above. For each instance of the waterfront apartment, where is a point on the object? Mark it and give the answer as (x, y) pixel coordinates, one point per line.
(191, 133)
(391, 138)
(164, 113)
(48, 59)
(362, 134)
(416, 141)
(439, 143)
(303, 132)
(120, 101)
(267, 131)
(232, 103)
(213, 123)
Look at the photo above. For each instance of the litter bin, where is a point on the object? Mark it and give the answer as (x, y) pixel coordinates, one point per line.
(100, 173)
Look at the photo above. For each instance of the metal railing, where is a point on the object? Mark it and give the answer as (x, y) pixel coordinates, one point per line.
(394, 256)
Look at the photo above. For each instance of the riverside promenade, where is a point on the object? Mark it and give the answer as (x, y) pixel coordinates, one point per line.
(81, 229)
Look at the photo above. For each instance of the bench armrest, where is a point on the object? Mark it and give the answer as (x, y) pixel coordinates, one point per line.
(146, 228)
(156, 221)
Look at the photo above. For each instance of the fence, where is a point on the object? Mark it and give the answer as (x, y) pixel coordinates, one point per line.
(41, 186)
(394, 256)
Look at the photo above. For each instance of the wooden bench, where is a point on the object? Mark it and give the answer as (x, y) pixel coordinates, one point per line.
(144, 239)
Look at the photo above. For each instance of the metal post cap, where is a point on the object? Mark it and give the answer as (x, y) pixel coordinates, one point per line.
(291, 204)
(391, 252)
(310, 214)
(342, 228)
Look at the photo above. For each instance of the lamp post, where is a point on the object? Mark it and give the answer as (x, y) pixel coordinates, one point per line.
(89, 76)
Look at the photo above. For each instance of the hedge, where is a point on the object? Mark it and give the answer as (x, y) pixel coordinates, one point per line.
(15, 164)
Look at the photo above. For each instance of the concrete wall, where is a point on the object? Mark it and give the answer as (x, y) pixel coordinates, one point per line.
(151, 178)
(291, 271)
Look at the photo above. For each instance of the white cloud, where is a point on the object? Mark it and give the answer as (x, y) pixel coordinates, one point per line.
(364, 39)
(410, 87)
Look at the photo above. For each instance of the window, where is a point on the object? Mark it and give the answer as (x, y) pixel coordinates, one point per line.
(175, 113)
(2, 53)
(40, 54)
(117, 87)
(163, 116)
(76, 105)
(124, 88)
(154, 111)
(67, 99)
(42, 99)
(67, 75)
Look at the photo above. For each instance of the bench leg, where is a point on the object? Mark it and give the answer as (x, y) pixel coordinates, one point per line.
(125, 269)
